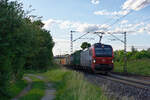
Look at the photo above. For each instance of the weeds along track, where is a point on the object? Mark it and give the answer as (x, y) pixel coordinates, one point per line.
(126, 80)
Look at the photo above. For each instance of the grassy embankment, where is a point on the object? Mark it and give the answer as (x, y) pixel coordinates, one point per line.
(71, 85)
(139, 67)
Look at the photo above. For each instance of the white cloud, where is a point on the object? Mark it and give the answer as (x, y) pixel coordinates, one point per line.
(115, 13)
(59, 44)
(81, 27)
(85, 27)
(135, 4)
(60, 40)
(65, 24)
(91, 27)
(124, 21)
(49, 23)
(138, 28)
(126, 8)
(147, 28)
(141, 30)
(95, 1)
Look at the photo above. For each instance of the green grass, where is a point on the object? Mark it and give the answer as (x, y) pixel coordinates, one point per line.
(140, 67)
(55, 75)
(37, 91)
(71, 85)
(14, 89)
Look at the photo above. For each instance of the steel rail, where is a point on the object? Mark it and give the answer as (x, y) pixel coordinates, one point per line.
(128, 81)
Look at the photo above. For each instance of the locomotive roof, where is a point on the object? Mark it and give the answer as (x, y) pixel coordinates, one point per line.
(100, 45)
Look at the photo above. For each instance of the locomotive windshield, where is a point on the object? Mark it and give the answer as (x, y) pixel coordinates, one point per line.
(103, 51)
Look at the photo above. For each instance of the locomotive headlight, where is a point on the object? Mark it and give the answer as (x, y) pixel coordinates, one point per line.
(94, 61)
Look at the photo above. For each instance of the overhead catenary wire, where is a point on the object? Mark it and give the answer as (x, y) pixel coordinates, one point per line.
(109, 25)
(120, 18)
(71, 45)
(80, 37)
(89, 32)
(116, 37)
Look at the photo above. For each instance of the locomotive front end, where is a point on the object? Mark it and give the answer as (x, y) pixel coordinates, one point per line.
(102, 59)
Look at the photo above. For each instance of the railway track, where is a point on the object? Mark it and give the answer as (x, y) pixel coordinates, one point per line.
(123, 79)
(126, 80)
(119, 87)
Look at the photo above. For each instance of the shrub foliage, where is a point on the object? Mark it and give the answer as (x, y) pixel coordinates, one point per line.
(24, 44)
(132, 55)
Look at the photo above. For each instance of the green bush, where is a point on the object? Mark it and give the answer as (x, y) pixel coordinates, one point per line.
(24, 44)
(131, 55)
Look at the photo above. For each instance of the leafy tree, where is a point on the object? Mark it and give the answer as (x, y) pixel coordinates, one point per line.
(41, 52)
(85, 45)
(11, 43)
(23, 43)
(119, 55)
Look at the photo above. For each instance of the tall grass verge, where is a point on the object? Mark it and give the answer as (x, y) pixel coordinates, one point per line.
(71, 85)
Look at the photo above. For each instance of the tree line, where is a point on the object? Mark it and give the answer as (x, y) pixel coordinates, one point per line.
(24, 44)
(134, 54)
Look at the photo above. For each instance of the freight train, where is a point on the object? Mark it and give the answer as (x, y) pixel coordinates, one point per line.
(97, 58)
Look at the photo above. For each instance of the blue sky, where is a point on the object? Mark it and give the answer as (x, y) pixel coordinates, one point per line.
(61, 16)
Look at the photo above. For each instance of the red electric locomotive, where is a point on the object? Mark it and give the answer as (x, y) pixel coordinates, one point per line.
(98, 58)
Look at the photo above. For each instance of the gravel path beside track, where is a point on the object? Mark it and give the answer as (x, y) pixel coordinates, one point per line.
(25, 90)
(49, 91)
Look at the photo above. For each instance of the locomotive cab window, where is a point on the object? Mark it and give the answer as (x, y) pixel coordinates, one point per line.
(103, 51)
